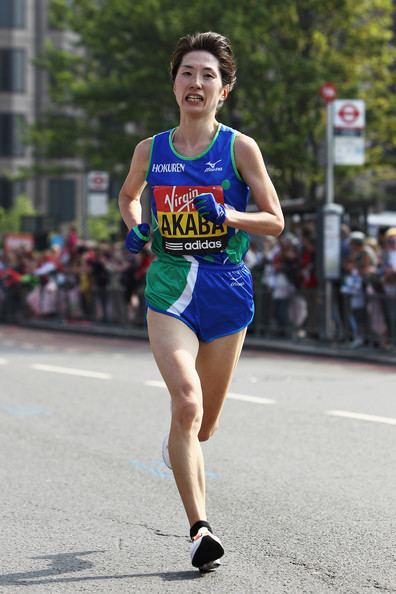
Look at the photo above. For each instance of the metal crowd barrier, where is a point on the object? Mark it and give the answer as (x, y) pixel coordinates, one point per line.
(299, 317)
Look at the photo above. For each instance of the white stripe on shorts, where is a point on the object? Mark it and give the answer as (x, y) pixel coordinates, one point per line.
(185, 298)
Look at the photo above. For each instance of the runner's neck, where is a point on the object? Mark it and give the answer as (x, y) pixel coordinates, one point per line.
(192, 137)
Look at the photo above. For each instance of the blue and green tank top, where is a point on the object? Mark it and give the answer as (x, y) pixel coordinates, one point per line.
(179, 233)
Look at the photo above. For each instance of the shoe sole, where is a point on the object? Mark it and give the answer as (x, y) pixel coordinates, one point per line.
(211, 566)
(209, 550)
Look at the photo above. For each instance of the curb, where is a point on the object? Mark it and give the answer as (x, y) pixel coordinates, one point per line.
(311, 349)
(316, 349)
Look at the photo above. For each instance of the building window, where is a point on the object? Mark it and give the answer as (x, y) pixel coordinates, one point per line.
(12, 14)
(9, 191)
(12, 70)
(62, 200)
(11, 135)
(6, 193)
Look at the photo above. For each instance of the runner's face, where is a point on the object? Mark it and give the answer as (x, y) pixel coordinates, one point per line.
(198, 86)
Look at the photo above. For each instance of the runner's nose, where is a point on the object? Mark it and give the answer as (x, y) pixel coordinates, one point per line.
(196, 82)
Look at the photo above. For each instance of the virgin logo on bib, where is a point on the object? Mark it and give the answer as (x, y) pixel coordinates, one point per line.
(183, 230)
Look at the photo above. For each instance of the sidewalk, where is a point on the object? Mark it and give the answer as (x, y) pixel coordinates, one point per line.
(302, 347)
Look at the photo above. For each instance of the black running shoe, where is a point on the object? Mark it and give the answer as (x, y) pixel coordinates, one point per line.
(206, 549)
(211, 566)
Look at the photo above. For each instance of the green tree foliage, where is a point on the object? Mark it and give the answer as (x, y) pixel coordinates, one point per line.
(11, 219)
(117, 87)
(105, 226)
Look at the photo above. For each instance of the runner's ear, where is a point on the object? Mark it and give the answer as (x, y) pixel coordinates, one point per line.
(225, 92)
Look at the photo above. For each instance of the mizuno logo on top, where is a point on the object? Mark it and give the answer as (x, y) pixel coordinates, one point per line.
(212, 167)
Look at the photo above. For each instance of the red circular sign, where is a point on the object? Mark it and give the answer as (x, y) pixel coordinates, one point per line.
(328, 92)
(349, 113)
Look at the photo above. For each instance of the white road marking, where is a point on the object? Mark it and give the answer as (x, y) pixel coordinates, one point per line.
(362, 417)
(248, 398)
(71, 371)
(3, 361)
(155, 384)
(231, 395)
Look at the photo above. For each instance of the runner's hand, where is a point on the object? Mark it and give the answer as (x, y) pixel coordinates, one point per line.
(209, 209)
(137, 238)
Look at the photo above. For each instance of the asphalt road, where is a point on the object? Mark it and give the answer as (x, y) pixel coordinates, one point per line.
(301, 476)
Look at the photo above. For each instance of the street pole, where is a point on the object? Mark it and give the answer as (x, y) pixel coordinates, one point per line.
(329, 154)
(84, 207)
(328, 297)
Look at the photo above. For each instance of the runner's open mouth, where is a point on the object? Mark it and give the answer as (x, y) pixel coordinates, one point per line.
(194, 98)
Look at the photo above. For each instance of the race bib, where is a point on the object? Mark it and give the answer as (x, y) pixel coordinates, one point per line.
(182, 229)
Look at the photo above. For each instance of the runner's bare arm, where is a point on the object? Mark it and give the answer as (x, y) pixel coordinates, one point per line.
(134, 184)
(250, 164)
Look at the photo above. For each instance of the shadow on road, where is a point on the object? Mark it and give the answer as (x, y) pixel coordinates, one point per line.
(72, 562)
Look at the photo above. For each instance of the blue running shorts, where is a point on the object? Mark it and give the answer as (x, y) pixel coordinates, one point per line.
(213, 300)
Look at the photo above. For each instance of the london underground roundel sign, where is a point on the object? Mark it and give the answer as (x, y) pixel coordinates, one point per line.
(349, 113)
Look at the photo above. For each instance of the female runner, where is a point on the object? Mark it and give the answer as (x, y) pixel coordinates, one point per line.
(198, 289)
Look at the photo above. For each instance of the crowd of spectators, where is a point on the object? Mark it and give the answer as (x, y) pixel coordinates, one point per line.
(85, 281)
(364, 298)
(81, 281)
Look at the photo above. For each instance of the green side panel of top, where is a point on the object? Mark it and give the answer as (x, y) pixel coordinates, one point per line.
(237, 246)
(165, 282)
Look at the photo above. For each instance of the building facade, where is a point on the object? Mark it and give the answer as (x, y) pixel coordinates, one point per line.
(24, 27)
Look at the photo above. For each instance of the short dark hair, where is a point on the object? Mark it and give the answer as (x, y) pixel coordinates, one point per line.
(211, 42)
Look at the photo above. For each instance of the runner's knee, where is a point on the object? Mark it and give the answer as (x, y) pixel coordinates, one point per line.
(187, 414)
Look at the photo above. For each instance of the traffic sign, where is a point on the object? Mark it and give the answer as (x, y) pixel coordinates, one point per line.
(97, 204)
(349, 113)
(328, 92)
(349, 121)
(98, 181)
(349, 150)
